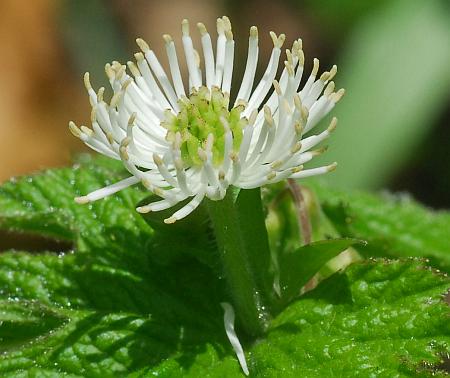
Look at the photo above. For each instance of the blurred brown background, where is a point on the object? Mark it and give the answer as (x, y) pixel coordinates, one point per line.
(393, 56)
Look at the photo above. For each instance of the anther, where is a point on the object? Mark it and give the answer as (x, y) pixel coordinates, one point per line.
(170, 220)
(335, 97)
(202, 29)
(167, 38)
(325, 76)
(332, 167)
(298, 128)
(229, 35)
(277, 87)
(126, 83)
(301, 57)
(87, 131)
(74, 129)
(333, 72)
(333, 125)
(139, 57)
(142, 45)
(115, 99)
(82, 200)
(185, 27)
(297, 146)
(271, 175)
(298, 102)
(329, 89)
(143, 209)
(315, 67)
(157, 159)
(304, 112)
(87, 82)
(132, 119)
(220, 26)
(319, 151)
(274, 38)
(226, 23)
(252, 118)
(268, 115)
(109, 71)
(100, 93)
(133, 69)
(289, 68)
(297, 169)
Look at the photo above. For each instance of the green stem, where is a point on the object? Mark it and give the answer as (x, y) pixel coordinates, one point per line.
(236, 264)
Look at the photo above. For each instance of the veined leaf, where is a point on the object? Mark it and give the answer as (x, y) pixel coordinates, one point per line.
(111, 309)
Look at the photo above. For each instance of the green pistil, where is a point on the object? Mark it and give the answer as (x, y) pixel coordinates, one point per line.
(199, 116)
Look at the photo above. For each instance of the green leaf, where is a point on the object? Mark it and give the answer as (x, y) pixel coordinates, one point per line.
(109, 308)
(393, 225)
(298, 267)
(378, 318)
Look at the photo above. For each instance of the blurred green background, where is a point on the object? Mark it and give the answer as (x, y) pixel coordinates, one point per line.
(393, 58)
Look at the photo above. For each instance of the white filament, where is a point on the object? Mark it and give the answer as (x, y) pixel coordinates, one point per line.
(228, 319)
(131, 127)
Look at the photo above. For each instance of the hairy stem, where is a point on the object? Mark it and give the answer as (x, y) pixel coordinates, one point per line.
(236, 262)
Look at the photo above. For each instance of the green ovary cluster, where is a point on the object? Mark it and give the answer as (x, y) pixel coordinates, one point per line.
(200, 115)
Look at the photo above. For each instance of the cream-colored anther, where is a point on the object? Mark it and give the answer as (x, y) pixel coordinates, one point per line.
(296, 147)
(202, 28)
(87, 81)
(297, 169)
(268, 115)
(271, 175)
(333, 72)
(142, 45)
(315, 67)
(252, 118)
(332, 167)
(157, 159)
(333, 125)
(133, 69)
(109, 71)
(335, 97)
(289, 57)
(76, 132)
(139, 56)
(220, 26)
(277, 87)
(100, 94)
(185, 27)
(226, 23)
(87, 131)
(289, 68)
(132, 119)
(329, 89)
(325, 76)
(167, 38)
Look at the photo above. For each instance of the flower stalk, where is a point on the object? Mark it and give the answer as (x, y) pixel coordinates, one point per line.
(238, 264)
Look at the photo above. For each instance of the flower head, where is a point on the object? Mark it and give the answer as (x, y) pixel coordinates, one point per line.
(195, 143)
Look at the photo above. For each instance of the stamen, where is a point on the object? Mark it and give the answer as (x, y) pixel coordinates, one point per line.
(189, 53)
(228, 319)
(200, 146)
(107, 190)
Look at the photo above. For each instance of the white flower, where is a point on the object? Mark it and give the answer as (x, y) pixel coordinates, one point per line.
(192, 144)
